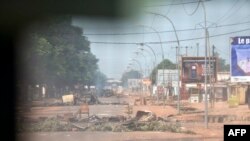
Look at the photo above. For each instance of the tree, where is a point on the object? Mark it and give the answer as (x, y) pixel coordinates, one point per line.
(221, 63)
(165, 64)
(56, 54)
(100, 79)
(132, 74)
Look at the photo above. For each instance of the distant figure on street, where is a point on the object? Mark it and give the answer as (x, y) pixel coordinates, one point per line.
(248, 96)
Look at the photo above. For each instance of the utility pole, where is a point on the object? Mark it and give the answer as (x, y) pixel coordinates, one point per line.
(176, 53)
(213, 47)
(205, 26)
(177, 58)
(187, 49)
(211, 76)
(213, 90)
(197, 45)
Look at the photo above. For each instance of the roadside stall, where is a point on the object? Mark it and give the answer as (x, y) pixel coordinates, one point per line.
(237, 94)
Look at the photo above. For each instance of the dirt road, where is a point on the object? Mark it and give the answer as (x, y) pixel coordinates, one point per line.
(188, 121)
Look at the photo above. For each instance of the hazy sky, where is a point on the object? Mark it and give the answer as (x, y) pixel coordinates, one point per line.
(114, 42)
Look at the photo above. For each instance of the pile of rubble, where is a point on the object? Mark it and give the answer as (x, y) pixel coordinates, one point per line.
(143, 121)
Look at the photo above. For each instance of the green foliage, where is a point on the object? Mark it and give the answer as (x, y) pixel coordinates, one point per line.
(53, 125)
(100, 79)
(222, 66)
(119, 128)
(101, 127)
(48, 125)
(57, 54)
(165, 64)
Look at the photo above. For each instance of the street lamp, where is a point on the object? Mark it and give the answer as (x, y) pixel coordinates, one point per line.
(177, 57)
(138, 53)
(139, 64)
(149, 53)
(150, 73)
(161, 47)
(150, 49)
(158, 34)
(154, 62)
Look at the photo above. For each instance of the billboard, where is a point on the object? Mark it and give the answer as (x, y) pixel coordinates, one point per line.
(193, 69)
(240, 59)
(167, 76)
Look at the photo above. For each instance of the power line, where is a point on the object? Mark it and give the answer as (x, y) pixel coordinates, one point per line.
(180, 30)
(173, 4)
(190, 14)
(246, 5)
(167, 42)
(223, 52)
(169, 8)
(153, 20)
(233, 12)
(228, 11)
(230, 24)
